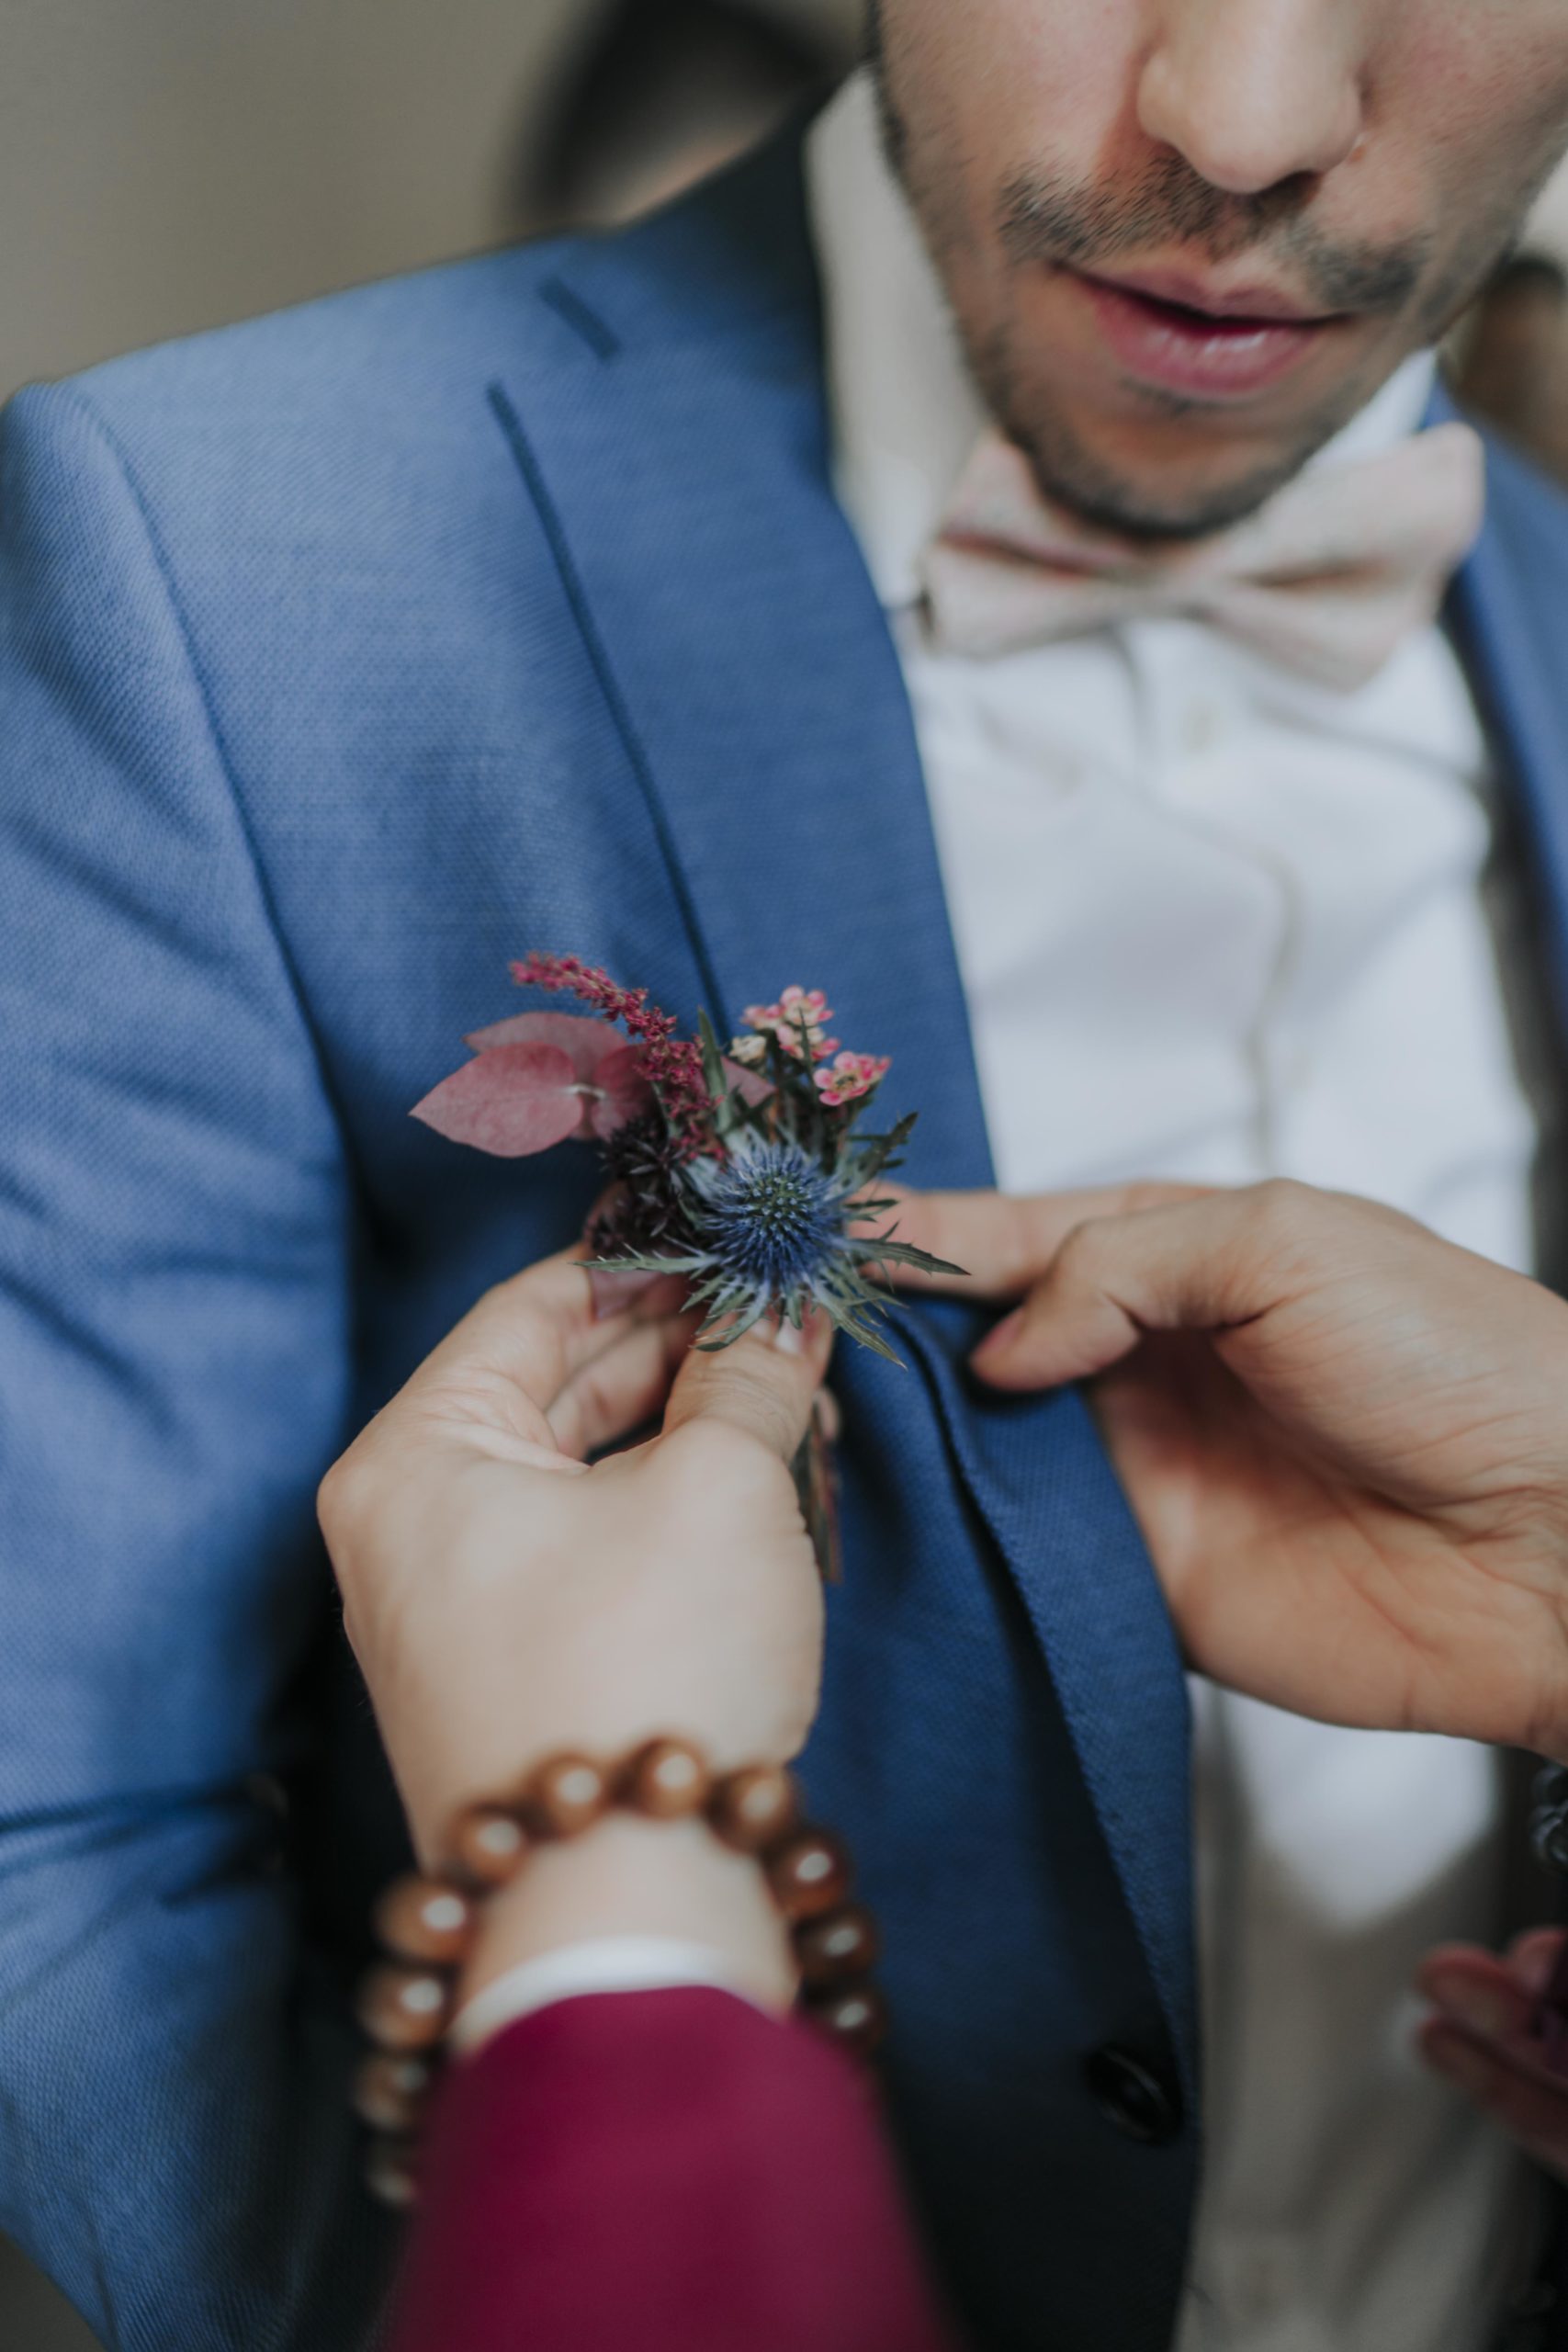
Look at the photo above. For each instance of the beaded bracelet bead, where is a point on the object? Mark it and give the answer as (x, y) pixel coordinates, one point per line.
(428, 1925)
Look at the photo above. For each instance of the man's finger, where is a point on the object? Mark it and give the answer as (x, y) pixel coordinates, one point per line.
(1477, 1992)
(1207, 1263)
(1532, 1957)
(1006, 1241)
(764, 1384)
(1531, 2110)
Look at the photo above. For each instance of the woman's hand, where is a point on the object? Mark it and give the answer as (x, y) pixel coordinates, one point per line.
(505, 1601)
(1345, 1440)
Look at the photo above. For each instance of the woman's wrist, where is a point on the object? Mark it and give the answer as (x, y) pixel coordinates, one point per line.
(628, 1876)
(649, 1851)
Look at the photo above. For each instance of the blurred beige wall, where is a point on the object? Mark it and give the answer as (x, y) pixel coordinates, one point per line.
(167, 165)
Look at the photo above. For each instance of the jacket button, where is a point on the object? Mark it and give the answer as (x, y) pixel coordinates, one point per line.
(1132, 2099)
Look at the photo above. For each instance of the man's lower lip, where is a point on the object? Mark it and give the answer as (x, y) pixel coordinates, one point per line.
(1207, 358)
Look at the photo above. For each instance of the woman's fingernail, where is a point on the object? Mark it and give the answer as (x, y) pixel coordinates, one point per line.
(1467, 2068)
(788, 1339)
(997, 1343)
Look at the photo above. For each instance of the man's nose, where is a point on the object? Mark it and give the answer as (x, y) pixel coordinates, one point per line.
(1254, 91)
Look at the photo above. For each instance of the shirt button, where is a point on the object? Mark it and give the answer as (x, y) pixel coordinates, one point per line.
(1132, 2099)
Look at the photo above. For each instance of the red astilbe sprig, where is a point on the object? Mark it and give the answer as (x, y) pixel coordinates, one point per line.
(672, 1065)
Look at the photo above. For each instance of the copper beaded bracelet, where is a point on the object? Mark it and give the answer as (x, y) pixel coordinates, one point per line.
(428, 1925)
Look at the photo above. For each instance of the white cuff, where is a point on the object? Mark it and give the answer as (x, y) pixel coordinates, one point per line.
(605, 1964)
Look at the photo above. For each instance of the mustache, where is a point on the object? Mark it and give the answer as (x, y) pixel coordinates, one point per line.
(1046, 217)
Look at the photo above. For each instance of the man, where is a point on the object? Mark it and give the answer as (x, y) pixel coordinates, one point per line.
(591, 597)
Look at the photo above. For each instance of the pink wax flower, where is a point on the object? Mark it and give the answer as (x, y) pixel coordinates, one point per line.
(799, 1012)
(795, 1004)
(852, 1076)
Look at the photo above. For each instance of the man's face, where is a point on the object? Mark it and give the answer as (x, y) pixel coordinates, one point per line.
(1186, 240)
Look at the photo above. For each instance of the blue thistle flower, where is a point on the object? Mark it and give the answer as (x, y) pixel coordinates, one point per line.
(769, 1218)
(764, 1220)
(773, 1231)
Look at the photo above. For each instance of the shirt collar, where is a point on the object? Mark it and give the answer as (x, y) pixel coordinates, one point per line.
(906, 414)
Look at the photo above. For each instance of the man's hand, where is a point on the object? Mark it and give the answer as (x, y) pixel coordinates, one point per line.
(505, 1601)
(1345, 1440)
(1479, 2036)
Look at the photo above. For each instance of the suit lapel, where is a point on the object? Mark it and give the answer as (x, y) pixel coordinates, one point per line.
(1507, 611)
(755, 684)
(685, 479)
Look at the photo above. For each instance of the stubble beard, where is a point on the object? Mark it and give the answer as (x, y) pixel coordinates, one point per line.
(1046, 218)
(1068, 471)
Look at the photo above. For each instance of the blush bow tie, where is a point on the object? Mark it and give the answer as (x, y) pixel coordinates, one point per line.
(1327, 578)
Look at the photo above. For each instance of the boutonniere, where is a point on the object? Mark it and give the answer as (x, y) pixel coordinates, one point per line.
(746, 1171)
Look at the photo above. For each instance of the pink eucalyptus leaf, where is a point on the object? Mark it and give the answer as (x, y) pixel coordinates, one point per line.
(623, 1093)
(585, 1042)
(513, 1100)
(753, 1087)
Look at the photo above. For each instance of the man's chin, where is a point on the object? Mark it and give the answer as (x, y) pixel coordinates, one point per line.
(1174, 494)
(1173, 471)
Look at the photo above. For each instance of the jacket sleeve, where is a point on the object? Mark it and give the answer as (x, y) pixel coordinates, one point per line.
(173, 1379)
(660, 2172)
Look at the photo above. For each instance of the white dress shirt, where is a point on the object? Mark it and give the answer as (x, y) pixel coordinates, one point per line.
(1217, 923)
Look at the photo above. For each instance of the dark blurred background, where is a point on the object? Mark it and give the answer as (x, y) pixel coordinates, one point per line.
(171, 165)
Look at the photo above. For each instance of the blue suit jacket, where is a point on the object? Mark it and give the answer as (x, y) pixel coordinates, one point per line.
(342, 657)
